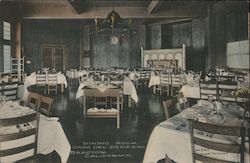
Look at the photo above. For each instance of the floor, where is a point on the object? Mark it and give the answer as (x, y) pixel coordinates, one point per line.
(98, 140)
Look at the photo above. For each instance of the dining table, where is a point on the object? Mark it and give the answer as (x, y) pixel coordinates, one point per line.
(127, 85)
(172, 137)
(192, 90)
(51, 136)
(31, 80)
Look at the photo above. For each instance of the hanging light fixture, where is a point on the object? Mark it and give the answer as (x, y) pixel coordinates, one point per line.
(115, 24)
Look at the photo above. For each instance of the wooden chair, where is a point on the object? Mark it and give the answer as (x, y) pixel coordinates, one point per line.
(208, 88)
(171, 107)
(226, 91)
(41, 82)
(114, 101)
(10, 90)
(165, 82)
(33, 100)
(52, 82)
(229, 131)
(27, 133)
(175, 83)
(116, 78)
(182, 101)
(1, 88)
(144, 79)
(44, 105)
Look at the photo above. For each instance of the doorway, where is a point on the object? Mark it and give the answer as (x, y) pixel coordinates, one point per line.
(55, 57)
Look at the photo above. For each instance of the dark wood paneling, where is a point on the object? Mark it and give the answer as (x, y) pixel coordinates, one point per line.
(193, 35)
(60, 32)
(125, 54)
(1, 45)
(228, 24)
(156, 36)
(166, 36)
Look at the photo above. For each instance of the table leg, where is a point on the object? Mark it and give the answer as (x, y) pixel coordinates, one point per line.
(62, 88)
(129, 101)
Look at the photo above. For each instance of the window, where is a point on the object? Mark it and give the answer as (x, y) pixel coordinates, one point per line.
(6, 31)
(7, 57)
(7, 47)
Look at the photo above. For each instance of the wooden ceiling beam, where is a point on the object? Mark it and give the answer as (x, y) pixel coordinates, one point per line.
(64, 12)
(77, 6)
(165, 21)
(68, 4)
(154, 5)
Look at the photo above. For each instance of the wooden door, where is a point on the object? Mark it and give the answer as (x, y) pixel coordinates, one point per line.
(54, 57)
(47, 57)
(58, 59)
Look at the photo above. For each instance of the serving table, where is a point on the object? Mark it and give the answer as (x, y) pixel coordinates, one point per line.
(128, 88)
(104, 92)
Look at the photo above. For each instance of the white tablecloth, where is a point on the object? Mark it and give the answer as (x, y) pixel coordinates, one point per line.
(191, 91)
(128, 88)
(31, 80)
(154, 80)
(51, 136)
(171, 139)
(76, 74)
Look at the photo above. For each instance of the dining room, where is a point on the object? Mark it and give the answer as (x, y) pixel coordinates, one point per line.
(122, 81)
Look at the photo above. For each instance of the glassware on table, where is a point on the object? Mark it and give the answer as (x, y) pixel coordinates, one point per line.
(211, 104)
(3, 100)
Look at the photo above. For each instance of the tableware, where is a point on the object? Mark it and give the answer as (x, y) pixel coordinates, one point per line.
(52, 118)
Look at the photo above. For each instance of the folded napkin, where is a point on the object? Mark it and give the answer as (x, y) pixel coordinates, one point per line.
(93, 110)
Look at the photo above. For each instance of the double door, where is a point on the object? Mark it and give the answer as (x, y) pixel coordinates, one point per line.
(54, 57)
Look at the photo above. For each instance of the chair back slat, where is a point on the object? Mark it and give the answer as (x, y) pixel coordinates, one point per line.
(33, 100)
(52, 78)
(45, 105)
(211, 160)
(233, 133)
(10, 90)
(227, 91)
(217, 146)
(17, 120)
(169, 107)
(40, 78)
(17, 150)
(208, 88)
(165, 79)
(218, 129)
(29, 132)
(17, 135)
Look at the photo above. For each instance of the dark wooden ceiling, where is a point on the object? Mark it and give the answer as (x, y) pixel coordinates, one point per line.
(150, 11)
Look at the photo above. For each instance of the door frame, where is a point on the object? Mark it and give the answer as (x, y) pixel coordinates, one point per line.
(53, 46)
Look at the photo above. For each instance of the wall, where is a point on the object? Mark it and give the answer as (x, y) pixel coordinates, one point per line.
(193, 35)
(125, 54)
(6, 14)
(156, 37)
(1, 46)
(227, 23)
(35, 33)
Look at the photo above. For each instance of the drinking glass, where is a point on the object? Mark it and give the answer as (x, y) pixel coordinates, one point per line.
(211, 105)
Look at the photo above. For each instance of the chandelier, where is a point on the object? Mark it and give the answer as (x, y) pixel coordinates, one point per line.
(113, 23)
